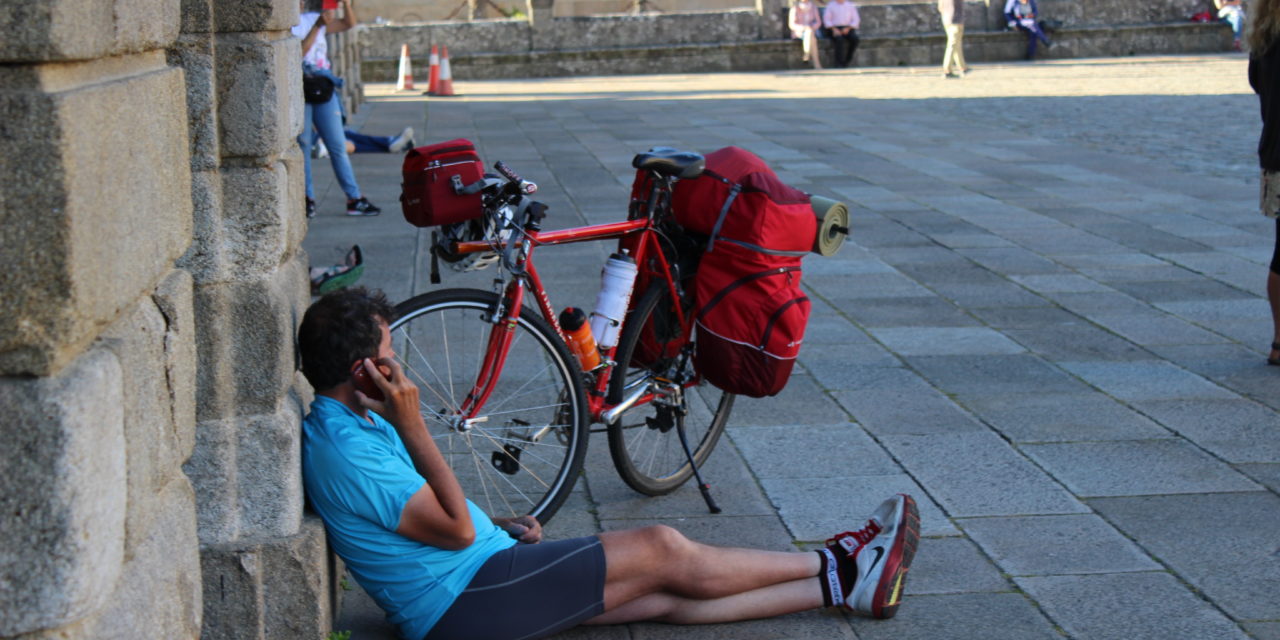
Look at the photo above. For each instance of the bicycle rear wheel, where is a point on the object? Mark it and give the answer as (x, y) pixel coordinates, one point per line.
(643, 441)
(524, 450)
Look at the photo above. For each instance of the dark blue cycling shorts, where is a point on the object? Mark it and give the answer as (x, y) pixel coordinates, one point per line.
(529, 591)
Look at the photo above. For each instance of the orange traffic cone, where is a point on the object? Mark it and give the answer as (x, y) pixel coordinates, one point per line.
(446, 76)
(405, 81)
(433, 76)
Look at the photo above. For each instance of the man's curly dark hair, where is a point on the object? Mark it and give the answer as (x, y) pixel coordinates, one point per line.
(339, 329)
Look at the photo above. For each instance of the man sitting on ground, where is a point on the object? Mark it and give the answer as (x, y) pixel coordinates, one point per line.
(441, 568)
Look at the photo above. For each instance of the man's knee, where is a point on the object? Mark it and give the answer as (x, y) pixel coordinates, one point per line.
(666, 540)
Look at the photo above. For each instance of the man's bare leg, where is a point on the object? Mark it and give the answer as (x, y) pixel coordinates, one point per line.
(657, 573)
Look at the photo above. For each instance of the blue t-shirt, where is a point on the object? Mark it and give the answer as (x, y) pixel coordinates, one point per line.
(358, 477)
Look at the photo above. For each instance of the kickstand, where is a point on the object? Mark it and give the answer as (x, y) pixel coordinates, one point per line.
(697, 475)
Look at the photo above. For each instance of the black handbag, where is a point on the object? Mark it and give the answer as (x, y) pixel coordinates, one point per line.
(316, 89)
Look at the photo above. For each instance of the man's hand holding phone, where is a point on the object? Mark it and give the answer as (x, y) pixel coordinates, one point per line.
(399, 396)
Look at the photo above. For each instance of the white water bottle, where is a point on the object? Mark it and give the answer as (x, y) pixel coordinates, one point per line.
(611, 305)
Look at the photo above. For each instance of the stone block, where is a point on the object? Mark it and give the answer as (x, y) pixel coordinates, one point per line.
(211, 469)
(1142, 606)
(258, 93)
(255, 15)
(54, 30)
(268, 589)
(197, 16)
(148, 353)
(194, 54)
(269, 474)
(296, 582)
(175, 300)
(245, 343)
(258, 220)
(63, 494)
(204, 258)
(159, 588)
(114, 213)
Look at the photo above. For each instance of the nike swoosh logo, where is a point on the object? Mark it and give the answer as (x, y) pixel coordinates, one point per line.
(879, 554)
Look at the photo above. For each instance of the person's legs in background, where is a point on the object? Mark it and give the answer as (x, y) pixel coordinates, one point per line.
(953, 58)
(1031, 41)
(380, 144)
(306, 139)
(853, 46)
(1236, 20)
(327, 118)
(1273, 296)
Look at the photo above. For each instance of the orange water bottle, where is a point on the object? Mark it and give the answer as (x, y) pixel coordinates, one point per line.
(583, 345)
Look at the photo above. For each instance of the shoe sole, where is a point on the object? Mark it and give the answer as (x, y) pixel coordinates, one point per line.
(889, 591)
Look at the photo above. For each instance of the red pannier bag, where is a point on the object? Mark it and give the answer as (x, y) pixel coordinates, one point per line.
(751, 312)
(427, 194)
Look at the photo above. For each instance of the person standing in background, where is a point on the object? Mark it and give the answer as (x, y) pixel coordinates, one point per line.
(1264, 77)
(326, 117)
(842, 20)
(805, 21)
(952, 11)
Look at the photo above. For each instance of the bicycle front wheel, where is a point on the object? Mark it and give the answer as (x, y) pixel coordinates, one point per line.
(643, 441)
(523, 451)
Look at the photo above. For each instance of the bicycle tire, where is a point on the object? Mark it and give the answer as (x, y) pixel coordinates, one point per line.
(648, 457)
(501, 461)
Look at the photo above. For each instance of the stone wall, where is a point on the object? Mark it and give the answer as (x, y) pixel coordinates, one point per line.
(150, 223)
(894, 32)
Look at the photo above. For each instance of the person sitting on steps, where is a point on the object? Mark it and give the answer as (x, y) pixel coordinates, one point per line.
(1023, 16)
(441, 568)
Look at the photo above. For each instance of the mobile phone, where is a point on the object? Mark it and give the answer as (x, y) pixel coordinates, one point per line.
(330, 5)
(364, 382)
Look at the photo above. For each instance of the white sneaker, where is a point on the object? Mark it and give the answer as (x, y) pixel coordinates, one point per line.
(882, 552)
(320, 151)
(402, 141)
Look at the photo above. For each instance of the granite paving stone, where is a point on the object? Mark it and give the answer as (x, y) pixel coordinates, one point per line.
(1136, 467)
(811, 451)
(916, 409)
(1056, 545)
(994, 374)
(1145, 380)
(945, 341)
(999, 616)
(1151, 606)
(1061, 417)
(813, 512)
(1235, 430)
(1241, 575)
(1078, 341)
(954, 565)
(976, 473)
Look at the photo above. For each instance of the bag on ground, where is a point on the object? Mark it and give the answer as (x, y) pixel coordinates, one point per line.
(432, 176)
(750, 310)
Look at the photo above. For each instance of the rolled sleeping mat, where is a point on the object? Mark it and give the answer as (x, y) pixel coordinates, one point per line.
(833, 225)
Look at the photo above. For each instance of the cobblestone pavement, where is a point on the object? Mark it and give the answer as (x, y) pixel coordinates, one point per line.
(1048, 326)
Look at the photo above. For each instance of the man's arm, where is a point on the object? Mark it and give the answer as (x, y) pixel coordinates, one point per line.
(348, 20)
(437, 514)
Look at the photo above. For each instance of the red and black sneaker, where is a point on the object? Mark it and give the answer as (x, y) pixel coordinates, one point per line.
(881, 552)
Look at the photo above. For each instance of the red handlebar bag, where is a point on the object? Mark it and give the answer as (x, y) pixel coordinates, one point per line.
(428, 194)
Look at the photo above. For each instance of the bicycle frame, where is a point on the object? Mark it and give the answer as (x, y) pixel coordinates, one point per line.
(648, 256)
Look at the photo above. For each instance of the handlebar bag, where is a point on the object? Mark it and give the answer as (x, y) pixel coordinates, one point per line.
(751, 312)
(428, 195)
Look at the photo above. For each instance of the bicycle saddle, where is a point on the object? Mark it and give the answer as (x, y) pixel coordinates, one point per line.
(670, 162)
